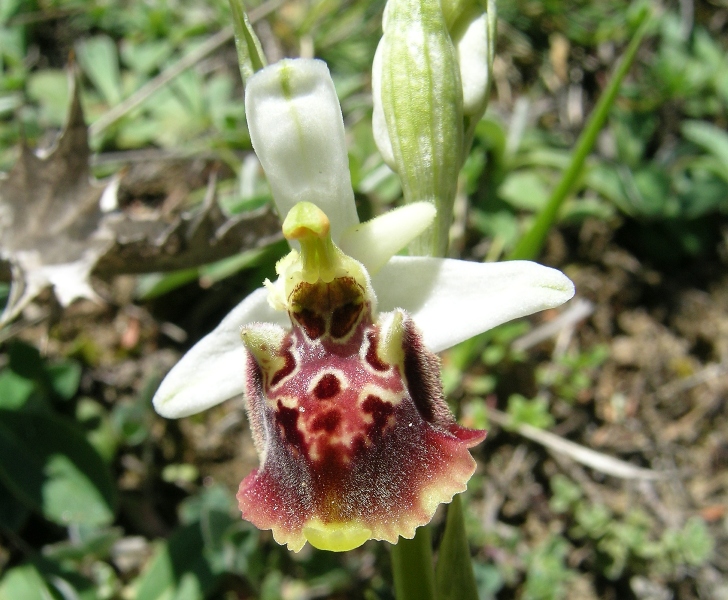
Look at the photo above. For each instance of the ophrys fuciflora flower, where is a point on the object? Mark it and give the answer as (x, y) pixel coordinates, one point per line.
(341, 386)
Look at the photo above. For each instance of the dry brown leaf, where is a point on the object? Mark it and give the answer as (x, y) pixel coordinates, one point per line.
(58, 224)
(50, 212)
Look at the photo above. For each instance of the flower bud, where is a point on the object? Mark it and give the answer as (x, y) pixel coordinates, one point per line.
(418, 117)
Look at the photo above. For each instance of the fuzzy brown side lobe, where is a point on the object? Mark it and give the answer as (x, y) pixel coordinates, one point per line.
(422, 374)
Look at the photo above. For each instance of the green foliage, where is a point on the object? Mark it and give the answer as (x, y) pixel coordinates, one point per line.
(178, 569)
(571, 376)
(546, 570)
(454, 577)
(48, 465)
(673, 177)
(633, 540)
(533, 412)
(24, 582)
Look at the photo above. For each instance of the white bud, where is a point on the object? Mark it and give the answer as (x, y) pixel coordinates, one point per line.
(470, 36)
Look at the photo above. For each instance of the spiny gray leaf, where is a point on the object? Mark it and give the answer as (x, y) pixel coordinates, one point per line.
(58, 224)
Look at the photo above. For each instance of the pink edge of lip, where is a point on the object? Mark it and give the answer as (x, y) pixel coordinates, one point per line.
(385, 495)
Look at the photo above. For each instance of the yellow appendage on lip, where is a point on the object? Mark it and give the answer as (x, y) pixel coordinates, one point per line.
(338, 537)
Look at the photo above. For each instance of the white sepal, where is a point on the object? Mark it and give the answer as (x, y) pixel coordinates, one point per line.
(453, 300)
(297, 132)
(212, 370)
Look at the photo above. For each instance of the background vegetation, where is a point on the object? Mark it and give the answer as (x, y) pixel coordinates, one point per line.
(100, 498)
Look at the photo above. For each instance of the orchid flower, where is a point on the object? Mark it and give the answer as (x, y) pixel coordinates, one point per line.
(336, 362)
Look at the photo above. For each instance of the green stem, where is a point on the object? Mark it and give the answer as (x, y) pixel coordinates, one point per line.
(529, 246)
(454, 574)
(412, 567)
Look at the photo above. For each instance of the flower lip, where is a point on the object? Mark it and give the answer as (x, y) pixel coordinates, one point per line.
(355, 440)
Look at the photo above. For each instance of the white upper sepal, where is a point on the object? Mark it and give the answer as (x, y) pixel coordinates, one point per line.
(453, 300)
(374, 242)
(470, 36)
(212, 370)
(297, 131)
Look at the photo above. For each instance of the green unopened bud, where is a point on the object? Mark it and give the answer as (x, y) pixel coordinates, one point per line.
(418, 109)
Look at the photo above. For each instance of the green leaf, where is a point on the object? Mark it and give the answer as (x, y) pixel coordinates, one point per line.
(59, 379)
(525, 190)
(547, 573)
(25, 582)
(100, 431)
(49, 87)
(565, 494)
(179, 569)
(217, 271)
(454, 575)
(153, 285)
(147, 56)
(652, 192)
(414, 577)
(697, 545)
(64, 378)
(9, 8)
(88, 543)
(65, 582)
(14, 390)
(48, 464)
(250, 53)
(706, 135)
(26, 361)
(100, 61)
(531, 412)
